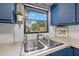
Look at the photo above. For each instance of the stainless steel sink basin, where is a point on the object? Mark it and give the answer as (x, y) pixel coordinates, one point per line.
(34, 46)
(54, 44)
(50, 43)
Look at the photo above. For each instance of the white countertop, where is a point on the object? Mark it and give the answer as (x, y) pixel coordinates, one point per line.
(10, 49)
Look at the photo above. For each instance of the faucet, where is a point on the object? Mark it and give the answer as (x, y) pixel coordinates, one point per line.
(44, 40)
(38, 35)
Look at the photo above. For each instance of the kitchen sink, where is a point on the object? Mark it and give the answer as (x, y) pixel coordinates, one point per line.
(54, 44)
(50, 43)
(33, 46)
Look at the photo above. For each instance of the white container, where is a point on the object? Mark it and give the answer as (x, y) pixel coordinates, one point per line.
(19, 18)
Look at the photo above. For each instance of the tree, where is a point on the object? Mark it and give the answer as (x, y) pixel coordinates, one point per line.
(40, 23)
(39, 26)
(34, 27)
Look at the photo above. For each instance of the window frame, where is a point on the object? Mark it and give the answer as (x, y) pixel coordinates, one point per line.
(38, 12)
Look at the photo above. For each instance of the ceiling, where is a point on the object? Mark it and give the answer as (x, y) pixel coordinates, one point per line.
(42, 5)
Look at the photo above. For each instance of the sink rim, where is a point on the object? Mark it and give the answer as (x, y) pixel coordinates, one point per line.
(45, 48)
(36, 51)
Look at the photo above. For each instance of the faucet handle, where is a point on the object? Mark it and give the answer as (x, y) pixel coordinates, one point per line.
(40, 34)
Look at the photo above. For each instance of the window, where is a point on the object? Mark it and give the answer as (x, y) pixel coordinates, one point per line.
(36, 22)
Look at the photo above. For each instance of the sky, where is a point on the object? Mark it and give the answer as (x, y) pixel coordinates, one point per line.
(37, 16)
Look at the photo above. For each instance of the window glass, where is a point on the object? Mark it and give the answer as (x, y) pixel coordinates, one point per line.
(36, 22)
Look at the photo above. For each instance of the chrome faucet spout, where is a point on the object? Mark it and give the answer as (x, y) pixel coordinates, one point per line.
(38, 36)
